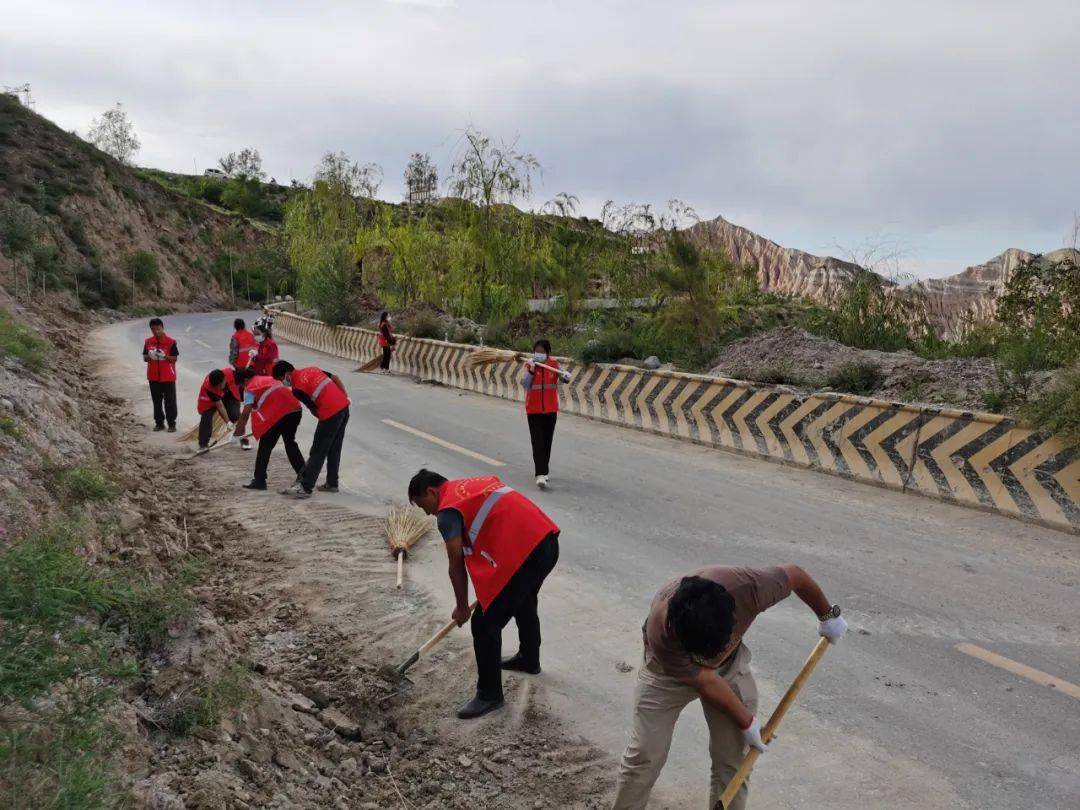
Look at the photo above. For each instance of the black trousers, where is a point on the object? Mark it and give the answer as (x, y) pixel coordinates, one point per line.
(542, 433)
(516, 601)
(325, 449)
(284, 429)
(385, 362)
(163, 395)
(206, 421)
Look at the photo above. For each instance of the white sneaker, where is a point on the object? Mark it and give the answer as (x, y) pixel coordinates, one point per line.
(245, 444)
(542, 481)
(296, 491)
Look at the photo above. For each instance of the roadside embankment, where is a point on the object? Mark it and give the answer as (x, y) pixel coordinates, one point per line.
(965, 457)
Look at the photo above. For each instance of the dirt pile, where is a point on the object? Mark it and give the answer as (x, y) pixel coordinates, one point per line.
(791, 356)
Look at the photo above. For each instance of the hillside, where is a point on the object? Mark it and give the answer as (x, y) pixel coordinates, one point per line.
(72, 218)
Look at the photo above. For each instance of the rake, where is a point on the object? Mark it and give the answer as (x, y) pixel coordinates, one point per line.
(486, 356)
(405, 525)
(769, 730)
(218, 431)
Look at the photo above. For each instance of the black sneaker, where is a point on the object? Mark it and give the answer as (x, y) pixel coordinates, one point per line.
(516, 663)
(478, 706)
(158, 428)
(254, 485)
(172, 428)
(327, 488)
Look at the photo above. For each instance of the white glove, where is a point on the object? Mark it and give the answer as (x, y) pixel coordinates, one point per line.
(565, 376)
(253, 353)
(833, 629)
(752, 735)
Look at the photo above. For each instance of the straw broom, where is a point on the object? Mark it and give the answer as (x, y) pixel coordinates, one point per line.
(219, 430)
(405, 525)
(370, 365)
(487, 356)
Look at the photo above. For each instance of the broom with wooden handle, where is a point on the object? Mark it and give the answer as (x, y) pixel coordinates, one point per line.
(202, 451)
(769, 730)
(425, 648)
(486, 356)
(370, 365)
(404, 526)
(217, 431)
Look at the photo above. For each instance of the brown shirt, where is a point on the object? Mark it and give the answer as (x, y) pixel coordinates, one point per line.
(753, 589)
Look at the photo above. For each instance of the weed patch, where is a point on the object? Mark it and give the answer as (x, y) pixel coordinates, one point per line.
(21, 342)
(81, 484)
(209, 702)
(857, 377)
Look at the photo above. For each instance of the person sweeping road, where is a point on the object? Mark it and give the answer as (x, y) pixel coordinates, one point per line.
(160, 355)
(274, 413)
(694, 649)
(507, 546)
(266, 347)
(323, 393)
(542, 405)
(387, 342)
(219, 394)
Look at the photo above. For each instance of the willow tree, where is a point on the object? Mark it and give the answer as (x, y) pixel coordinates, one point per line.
(493, 177)
(321, 224)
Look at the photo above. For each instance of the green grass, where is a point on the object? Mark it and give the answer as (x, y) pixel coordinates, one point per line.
(857, 377)
(21, 342)
(1058, 409)
(9, 426)
(210, 702)
(68, 630)
(81, 484)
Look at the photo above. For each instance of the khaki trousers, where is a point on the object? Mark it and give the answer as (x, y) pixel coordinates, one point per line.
(658, 701)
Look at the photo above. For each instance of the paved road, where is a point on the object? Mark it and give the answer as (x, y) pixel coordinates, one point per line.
(904, 711)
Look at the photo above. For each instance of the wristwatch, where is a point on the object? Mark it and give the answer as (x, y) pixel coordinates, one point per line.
(831, 613)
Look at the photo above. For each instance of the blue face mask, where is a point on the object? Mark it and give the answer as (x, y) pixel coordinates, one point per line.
(539, 357)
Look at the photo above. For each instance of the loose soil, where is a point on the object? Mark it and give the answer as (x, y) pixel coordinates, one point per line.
(792, 356)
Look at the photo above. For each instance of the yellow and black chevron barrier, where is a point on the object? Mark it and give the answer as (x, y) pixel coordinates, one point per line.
(974, 459)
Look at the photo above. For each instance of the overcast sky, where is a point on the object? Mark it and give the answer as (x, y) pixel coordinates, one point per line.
(951, 127)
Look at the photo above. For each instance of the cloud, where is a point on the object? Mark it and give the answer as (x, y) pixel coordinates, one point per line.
(951, 125)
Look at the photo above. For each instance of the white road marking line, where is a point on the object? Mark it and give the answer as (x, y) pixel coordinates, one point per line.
(204, 345)
(443, 443)
(187, 328)
(1023, 670)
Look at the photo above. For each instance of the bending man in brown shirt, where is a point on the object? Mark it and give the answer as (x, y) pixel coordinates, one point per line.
(694, 649)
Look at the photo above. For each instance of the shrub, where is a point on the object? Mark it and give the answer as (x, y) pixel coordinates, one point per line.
(425, 324)
(209, 702)
(18, 231)
(143, 268)
(609, 345)
(1058, 409)
(21, 342)
(856, 377)
(777, 374)
(867, 318)
(10, 427)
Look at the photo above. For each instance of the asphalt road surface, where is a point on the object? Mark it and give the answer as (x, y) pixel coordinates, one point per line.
(956, 687)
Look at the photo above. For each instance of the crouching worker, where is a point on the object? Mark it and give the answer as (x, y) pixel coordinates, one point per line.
(694, 649)
(273, 413)
(324, 395)
(218, 395)
(499, 539)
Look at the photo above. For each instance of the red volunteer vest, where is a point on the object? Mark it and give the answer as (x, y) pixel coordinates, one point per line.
(273, 400)
(321, 390)
(386, 336)
(543, 394)
(204, 403)
(502, 528)
(244, 341)
(230, 382)
(266, 356)
(160, 370)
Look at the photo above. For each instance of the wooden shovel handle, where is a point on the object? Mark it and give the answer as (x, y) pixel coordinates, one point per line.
(769, 730)
(400, 566)
(431, 642)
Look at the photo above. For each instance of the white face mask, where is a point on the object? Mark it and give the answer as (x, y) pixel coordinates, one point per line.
(540, 357)
(260, 338)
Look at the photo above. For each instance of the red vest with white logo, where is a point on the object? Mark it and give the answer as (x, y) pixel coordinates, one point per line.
(329, 400)
(502, 528)
(264, 359)
(543, 394)
(160, 370)
(204, 403)
(244, 342)
(273, 400)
